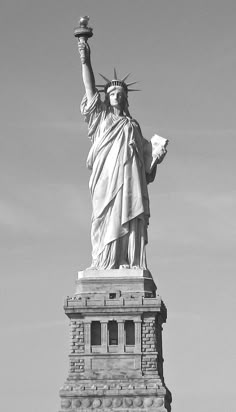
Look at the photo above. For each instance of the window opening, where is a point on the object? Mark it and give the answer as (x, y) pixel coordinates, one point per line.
(113, 332)
(129, 332)
(95, 333)
(112, 295)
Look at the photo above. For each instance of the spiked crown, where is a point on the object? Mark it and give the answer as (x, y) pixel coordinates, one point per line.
(115, 82)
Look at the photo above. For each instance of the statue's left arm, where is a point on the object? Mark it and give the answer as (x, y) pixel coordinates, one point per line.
(154, 152)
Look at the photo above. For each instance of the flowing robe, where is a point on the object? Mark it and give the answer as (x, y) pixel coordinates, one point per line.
(118, 187)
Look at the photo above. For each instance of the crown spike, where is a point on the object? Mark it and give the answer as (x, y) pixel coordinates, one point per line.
(126, 77)
(115, 74)
(134, 90)
(130, 84)
(105, 78)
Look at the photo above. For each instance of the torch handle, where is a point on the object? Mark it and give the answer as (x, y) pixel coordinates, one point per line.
(82, 39)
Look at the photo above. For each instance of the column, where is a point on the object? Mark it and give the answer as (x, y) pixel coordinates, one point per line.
(121, 336)
(137, 326)
(104, 336)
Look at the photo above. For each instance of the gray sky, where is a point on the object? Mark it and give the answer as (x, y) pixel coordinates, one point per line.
(183, 54)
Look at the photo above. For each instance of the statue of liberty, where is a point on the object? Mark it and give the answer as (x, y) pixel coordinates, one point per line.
(122, 163)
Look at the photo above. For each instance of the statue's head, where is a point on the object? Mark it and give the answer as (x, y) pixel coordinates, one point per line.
(116, 92)
(117, 97)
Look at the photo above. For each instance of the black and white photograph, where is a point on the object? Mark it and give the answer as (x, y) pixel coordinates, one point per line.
(117, 205)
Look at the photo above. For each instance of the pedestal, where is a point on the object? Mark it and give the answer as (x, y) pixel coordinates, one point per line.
(116, 359)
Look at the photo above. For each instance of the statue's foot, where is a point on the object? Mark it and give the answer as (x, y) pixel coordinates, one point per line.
(92, 267)
(124, 266)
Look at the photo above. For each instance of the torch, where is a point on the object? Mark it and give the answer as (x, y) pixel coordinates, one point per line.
(83, 32)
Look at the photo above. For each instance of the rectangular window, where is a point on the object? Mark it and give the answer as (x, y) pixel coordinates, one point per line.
(129, 333)
(113, 332)
(95, 333)
(112, 295)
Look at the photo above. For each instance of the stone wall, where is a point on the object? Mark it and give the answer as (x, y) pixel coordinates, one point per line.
(149, 344)
(77, 347)
(149, 339)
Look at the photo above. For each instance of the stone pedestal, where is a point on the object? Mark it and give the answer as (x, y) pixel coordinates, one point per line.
(116, 359)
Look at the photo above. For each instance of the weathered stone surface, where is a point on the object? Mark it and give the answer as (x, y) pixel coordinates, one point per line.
(114, 375)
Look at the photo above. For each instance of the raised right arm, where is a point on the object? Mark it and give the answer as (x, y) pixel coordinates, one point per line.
(87, 71)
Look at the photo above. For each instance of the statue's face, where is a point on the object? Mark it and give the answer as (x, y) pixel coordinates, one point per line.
(117, 98)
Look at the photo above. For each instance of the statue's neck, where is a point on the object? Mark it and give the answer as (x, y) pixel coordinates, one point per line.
(117, 111)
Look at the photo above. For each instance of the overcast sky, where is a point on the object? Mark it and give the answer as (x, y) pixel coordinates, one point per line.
(183, 54)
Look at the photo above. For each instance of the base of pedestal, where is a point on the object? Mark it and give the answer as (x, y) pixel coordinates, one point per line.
(122, 408)
(134, 396)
